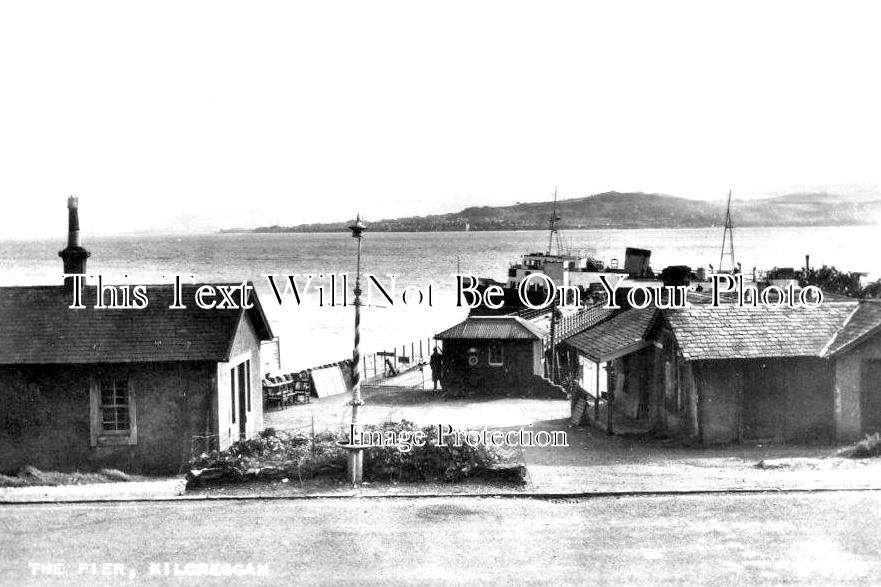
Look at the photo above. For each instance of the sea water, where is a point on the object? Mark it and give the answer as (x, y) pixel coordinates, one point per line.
(311, 335)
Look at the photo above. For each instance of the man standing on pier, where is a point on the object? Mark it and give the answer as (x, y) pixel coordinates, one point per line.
(436, 363)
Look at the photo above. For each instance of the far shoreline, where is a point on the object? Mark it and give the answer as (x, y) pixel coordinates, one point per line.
(162, 233)
(342, 229)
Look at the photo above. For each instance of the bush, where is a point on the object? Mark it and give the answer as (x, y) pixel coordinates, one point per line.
(9, 481)
(433, 461)
(870, 446)
(273, 454)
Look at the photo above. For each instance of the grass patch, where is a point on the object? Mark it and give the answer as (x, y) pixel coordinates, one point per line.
(29, 476)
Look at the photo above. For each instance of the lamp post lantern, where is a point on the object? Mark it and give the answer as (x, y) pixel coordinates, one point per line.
(356, 451)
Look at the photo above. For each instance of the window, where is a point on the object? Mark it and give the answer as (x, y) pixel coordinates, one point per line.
(112, 407)
(115, 406)
(495, 354)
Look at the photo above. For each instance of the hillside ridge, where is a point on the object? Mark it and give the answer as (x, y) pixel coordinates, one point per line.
(628, 210)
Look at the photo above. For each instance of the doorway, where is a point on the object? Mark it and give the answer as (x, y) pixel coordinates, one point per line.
(764, 400)
(870, 397)
(242, 376)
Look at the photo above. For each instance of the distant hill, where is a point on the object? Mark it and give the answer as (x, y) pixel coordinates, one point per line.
(631, 210)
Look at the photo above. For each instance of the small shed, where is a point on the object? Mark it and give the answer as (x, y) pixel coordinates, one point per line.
(613, 354)
(731, 373)
(749, 374)
(491, 353)
(856, 352)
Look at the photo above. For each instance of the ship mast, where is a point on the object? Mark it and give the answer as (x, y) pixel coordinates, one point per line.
(728, 234)
(554, 230)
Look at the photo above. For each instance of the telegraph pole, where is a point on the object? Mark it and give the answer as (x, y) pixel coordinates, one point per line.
(356, 451)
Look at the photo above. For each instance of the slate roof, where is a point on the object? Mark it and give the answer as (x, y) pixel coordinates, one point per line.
(704, 332)
(865, 321)
(493, 328)
(619, 335)
(587, 318)
(733, 332)
(38, 327)
(576, 321)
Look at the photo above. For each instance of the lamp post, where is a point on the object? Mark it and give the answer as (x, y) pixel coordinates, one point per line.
(356, 451)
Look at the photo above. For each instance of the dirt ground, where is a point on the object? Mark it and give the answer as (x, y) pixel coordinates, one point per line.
(425, 407)
(592, 461)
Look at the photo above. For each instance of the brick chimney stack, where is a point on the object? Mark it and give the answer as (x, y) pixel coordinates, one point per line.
(74, 256)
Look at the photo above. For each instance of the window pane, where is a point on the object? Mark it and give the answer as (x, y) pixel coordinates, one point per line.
(115, 415)
(110, 419)
(122, 418)
(106, 392)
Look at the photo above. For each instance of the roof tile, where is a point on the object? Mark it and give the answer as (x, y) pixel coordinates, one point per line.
(622, 331)
(38, 327)
(493, 328)
(734, 332)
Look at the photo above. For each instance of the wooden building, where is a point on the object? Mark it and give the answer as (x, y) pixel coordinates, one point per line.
(734, 373)
(491, 354)
(616, 345)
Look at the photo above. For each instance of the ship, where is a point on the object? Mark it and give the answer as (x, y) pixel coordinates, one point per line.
(580, 272)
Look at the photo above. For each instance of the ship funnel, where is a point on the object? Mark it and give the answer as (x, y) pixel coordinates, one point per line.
(636, 262)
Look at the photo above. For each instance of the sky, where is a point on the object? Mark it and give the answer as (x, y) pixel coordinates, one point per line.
(167, 116)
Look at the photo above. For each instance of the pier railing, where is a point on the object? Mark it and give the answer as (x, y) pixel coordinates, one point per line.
(382, 367)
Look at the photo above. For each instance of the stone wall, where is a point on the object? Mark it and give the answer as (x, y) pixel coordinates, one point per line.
(46, 416)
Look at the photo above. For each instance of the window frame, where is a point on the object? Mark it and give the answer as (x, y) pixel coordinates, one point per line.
(100, 436)
(120, 390)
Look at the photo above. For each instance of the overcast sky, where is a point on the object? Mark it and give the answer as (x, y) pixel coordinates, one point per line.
(206, 114)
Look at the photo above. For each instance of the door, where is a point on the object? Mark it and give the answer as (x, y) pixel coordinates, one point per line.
(243, 382)
(870, 397)
(764, 400)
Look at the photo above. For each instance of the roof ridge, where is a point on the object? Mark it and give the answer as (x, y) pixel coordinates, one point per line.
(825, 350)
(39, 327)
(503, 316)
